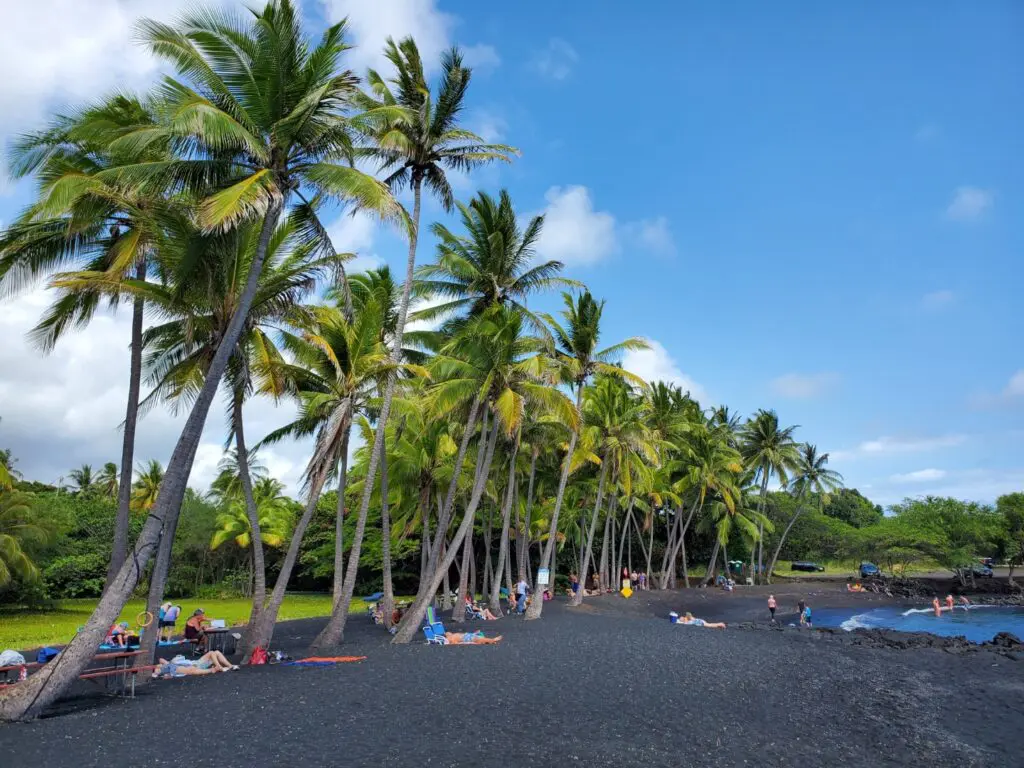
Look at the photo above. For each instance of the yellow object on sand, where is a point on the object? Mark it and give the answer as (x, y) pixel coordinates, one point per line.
(626, 591)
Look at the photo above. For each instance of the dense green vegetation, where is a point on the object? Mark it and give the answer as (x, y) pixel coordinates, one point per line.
(501, 440)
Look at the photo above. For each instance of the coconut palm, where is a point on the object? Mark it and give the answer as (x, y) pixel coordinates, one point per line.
(415, 149)
(492, 263)
(577, 339)
(85, 218)
(106, 481)
(146, 488)
(17, 528)
(811, 476)
(83, 479)
(769, 450)
(257, 116)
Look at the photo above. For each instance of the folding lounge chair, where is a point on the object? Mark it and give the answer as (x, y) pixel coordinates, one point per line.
(434, 629)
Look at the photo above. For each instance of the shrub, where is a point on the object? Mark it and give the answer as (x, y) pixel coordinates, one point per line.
(76, 576)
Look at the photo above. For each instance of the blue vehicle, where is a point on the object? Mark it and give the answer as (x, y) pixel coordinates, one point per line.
(869, 570)
(981, 570)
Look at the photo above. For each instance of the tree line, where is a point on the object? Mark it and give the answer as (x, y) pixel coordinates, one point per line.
(200, 205)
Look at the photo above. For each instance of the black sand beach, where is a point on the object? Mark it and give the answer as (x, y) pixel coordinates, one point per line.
(612, 683)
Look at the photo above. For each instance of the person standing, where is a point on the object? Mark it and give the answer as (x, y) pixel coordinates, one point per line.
(805, 617)
(521, 588)
(800, 610)
(772, 605)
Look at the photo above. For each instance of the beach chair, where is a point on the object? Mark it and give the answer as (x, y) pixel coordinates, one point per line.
(471, 613)
(433, 630)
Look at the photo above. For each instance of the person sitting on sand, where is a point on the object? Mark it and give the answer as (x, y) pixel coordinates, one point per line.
(478, 611)
(470, 638)
(574, 585)
(854, 587)
(208, 664)
(693, 621)
(937, 607)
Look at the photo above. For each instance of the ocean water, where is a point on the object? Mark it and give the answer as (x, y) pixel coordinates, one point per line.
(978, 623)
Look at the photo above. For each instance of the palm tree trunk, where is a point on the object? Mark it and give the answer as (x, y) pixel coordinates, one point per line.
(259, 583)
(668, 557)
(506, 514)
(260, 633)
(697, 506)
(536, 606)
(524, 568)
(339, 518)
(489, 575)
(425, 529)
(459, 609)
(157, 583)
(410, 623)
(760, 529)
(588, 546)
(333, 633)
(710, 575)
(119, 552)
(388, 601)
(782, 540)
(29, 698)
(602, 577)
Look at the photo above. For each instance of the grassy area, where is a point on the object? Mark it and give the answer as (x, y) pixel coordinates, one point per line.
(21, 629)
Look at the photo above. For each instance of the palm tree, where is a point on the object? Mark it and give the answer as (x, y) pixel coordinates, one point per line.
(17, 528)
(275, 517)
(85, 218)
(811, 476)
(413, 150)
(491, 264)
(146, 488)
(768, 449)
(577, 350)
(106, 481)
(83, 479)
(257, 117)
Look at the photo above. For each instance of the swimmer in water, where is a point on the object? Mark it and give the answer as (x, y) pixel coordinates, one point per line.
(949, 602)
(965, 602)
(937, 607)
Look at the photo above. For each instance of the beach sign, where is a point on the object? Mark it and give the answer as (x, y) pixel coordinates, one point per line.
(543, 575)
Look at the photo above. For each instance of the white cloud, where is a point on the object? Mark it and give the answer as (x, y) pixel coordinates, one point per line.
(64, 409)
(804, 386)
(488, 125)
(969, 203)
(421, 304)
(920, 476)
(557, 60)
(574, 232)
(889, 445)
(1015, 387)
(652, 235)
(61, 52)
(355, 233)
(1010, 394)
(937, 300)
(656, 364)
(371, 22)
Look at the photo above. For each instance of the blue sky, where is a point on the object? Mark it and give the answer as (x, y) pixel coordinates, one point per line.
(803, 206)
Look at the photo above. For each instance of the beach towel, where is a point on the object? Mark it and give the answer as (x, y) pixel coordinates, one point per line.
(323, 661)
(11, 658)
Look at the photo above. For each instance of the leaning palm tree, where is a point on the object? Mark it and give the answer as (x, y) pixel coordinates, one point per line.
(492, 263)
(413, 150)
(86, 218)
(577, 349)
(257, 117)
(811, 476)
(768, 450)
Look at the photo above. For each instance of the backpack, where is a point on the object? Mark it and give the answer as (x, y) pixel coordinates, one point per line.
(259, 655)
(46, 654)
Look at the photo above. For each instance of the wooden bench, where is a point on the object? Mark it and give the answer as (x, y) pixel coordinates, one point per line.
(94, 674)
(15, 669)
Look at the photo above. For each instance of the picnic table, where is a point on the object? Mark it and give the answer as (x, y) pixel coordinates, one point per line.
(219, 638)
(117, 673)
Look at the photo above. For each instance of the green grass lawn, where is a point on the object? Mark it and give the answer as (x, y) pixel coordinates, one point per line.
(20, 629)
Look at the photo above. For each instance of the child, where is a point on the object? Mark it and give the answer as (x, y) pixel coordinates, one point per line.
(772, 605)
(805, 617)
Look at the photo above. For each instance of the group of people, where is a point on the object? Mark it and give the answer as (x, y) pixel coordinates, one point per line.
(209, 663)
(803, 610)
(950, 604)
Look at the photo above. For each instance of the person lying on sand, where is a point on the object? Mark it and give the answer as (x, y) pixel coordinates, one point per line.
(470, 638)
(208, 664)
(854, 587)
(692, 620)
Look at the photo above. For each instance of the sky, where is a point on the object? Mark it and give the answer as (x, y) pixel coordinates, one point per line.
(802, 206)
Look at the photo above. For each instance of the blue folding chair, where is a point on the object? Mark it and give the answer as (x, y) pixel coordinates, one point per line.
(434, 629)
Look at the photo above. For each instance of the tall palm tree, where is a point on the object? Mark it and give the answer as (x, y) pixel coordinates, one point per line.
(83, 479)
(811, 476)
(106, 481)
(413, 150)
(17, 528)
(769, 450)
(257, 116)
(577, 339)
(492, 263)
(86, 218)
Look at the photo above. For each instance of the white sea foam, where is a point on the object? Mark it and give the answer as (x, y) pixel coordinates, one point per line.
(860, 621)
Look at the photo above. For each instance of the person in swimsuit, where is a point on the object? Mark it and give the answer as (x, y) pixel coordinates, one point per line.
(805, 617)
(772, 605)
(800, 610)
(949, 602)
(208, 664)
(937, 607)
(471, 638)
(693, 621)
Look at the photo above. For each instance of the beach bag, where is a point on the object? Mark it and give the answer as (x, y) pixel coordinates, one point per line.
(46, 654)
(259, 655)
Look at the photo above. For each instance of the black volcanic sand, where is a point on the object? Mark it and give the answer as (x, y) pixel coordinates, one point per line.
(612, 683)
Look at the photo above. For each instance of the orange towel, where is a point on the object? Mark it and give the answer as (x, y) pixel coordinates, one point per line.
(329, 659)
